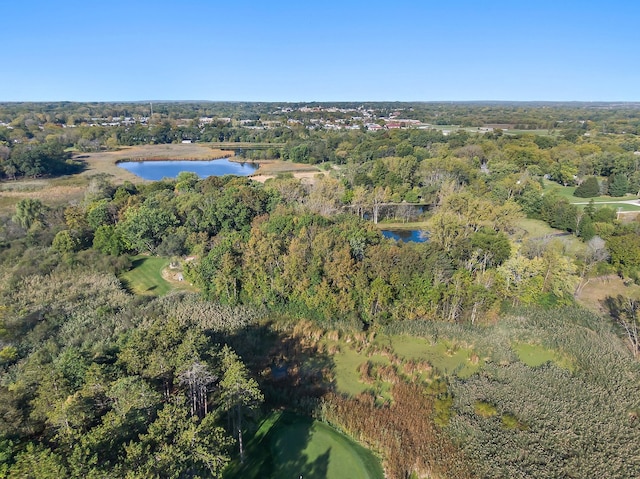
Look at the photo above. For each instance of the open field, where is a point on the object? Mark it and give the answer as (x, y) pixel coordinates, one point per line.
(271, 168)
(409, 225)
(430, 360)
(51, 191)
(449, 358)
(482, 130)
(536, 228)
(347, 363)
(232, 145)
(596, 291)
(291, 446)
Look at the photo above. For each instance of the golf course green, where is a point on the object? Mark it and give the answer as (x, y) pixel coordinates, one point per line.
(290, 446)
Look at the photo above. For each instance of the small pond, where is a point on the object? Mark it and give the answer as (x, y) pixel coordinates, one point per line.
(417, 236)
(156, 170)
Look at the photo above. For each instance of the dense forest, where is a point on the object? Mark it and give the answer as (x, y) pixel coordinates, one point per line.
(295, 275)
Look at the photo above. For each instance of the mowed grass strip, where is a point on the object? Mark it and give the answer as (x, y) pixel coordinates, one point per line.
(566, 192)
(145, 277)
(287, 445)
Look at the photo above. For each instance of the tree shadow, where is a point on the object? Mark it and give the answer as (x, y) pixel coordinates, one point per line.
(293, 374)
(613, 306)
(292, 371)
(288, 449)
(624, 312)
(137, 262)
(278, 451)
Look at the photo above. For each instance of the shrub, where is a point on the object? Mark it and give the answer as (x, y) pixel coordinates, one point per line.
(485, 409)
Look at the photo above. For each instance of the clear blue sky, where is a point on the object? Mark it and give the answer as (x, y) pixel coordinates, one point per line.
(328, 50)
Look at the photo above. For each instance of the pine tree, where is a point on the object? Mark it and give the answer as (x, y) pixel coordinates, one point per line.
(588, 189)
(240, 393)
(618, 185)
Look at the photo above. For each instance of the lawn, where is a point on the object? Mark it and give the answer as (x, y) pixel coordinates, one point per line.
(409, 225)
(613, 202)
(537, 228)
(145, 277)
(275, 167)
(291, 446)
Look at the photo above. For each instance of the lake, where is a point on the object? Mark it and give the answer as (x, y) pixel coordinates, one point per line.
(417, 236)
(156, 170)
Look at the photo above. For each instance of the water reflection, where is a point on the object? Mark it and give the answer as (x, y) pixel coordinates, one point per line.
(417, 236)
(156, 170)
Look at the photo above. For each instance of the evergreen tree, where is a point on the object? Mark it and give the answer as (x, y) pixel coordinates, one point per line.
(590, 209)
(240, 393)
(588, 189)
(618, 185)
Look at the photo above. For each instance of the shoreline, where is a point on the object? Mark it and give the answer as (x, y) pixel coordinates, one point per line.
(141, 159)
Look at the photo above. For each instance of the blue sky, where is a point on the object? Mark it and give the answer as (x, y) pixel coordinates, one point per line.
(399, 50)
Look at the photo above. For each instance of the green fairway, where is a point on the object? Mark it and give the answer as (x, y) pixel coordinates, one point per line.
(146, 276)
(621, 203)
(291, 446)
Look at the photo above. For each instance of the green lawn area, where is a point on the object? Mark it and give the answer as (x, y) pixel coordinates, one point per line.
(536, 228)
(534, 355)
(145, 277)
(567, 193)
(291, 446)
(475, 129)
(410, 225)
(539, 132)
